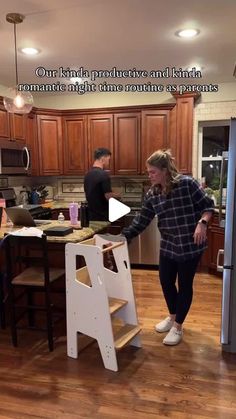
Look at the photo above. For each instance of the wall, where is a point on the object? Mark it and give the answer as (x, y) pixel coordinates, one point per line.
(227, 92)
(210, 107)
(71, 188)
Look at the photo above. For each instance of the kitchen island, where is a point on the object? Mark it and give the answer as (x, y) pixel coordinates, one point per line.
(77, 236)
(56, 244)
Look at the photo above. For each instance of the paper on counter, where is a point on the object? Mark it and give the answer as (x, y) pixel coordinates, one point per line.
(28, 231)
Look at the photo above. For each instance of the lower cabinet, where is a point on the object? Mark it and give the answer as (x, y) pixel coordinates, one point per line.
(117, 226)
(215, 238)
(215, 242)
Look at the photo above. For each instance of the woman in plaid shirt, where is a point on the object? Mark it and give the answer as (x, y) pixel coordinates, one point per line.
(183, 211)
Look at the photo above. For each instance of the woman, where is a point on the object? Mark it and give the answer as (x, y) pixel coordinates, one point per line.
(183, 212)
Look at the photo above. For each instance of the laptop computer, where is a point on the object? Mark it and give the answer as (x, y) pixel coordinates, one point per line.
(22, 217)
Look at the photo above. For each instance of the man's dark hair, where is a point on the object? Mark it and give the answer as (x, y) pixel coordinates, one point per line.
(101, 152)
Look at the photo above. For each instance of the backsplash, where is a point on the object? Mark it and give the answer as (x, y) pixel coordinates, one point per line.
(71, 188)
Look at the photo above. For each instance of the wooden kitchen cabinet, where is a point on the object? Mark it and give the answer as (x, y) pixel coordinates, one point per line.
(100, 134)
(67, 139)
(50, 144)
(215, 242)
(155, 133)
(12, 126)
(127, 143)
(75, 145)
(18, 127)
(4, 124)
(184, 131)
(32, 143)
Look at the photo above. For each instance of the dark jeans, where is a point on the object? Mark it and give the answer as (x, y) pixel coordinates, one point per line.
(178, 300)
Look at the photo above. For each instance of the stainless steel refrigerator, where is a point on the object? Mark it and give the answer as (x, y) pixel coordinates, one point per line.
(228, 326)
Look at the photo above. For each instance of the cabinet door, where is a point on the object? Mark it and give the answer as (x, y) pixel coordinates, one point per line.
(18, 127)
(215, 242)
(75, 145)
(50, 144)
(127, 143)
(155, 133)
(184, 134)
(4, 124)
(100, 134)
(32, 143)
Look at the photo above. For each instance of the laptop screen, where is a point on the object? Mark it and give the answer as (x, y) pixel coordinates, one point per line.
(22, 217)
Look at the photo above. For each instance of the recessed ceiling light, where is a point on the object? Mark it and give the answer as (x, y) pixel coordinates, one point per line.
(29, 51)
(197, 67)
(187, 33)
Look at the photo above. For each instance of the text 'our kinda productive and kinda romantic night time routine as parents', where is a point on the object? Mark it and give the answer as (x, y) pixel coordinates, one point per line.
(115, 80)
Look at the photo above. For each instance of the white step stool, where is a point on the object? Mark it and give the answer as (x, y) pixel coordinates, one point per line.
(95, 294)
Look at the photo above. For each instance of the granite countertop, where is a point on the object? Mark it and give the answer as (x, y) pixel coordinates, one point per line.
(60, 204)
(75, 237)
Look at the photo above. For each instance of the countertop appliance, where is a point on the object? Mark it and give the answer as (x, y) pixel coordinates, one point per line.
(228, 325)
(14, 158)
(9, 195)
(145, 248)
(37, 212)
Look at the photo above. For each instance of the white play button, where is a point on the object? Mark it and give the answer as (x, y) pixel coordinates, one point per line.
(117, 209)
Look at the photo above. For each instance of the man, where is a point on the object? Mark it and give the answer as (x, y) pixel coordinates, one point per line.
(97, 186)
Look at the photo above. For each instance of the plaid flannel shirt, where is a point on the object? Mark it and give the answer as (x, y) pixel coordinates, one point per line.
(177, 214)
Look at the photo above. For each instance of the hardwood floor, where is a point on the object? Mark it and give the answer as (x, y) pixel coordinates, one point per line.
(192, 380)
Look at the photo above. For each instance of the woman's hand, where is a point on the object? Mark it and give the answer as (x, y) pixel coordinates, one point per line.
(200, 234)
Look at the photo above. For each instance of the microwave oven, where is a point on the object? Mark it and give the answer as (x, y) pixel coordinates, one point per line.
(14, 158)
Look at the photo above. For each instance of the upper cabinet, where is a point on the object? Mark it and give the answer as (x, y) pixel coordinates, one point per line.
(32, 143)
(75, 146)
(63, 142)
(127, 143)
(50, 144)
(12, 126)
(18, 127)
(184, 131)
(4, 123)
(100, 134)
(155, 133)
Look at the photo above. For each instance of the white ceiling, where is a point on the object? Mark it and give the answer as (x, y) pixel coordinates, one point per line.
(101, 34)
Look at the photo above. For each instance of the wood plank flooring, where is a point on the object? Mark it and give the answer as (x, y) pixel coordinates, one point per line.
(192, 380)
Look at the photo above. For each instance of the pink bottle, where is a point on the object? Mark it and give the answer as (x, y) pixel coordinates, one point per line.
(74, 207)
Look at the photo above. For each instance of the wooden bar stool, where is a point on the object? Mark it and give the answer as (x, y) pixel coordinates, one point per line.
(28, 273)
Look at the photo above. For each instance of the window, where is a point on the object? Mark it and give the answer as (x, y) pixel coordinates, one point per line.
(213, 140)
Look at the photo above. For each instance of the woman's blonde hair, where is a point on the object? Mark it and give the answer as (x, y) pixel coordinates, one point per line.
(162, 159)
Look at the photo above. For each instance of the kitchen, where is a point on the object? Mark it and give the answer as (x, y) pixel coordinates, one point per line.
(63, 129)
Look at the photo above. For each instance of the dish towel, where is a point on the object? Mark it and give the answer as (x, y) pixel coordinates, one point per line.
(28, 231)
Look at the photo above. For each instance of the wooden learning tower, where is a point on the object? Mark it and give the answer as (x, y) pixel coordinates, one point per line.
(95, 295)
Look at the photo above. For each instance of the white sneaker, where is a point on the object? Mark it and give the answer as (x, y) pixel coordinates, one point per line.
(165, 325)
(173, 337)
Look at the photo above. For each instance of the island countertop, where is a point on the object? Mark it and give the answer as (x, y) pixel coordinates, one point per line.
(75, 237)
